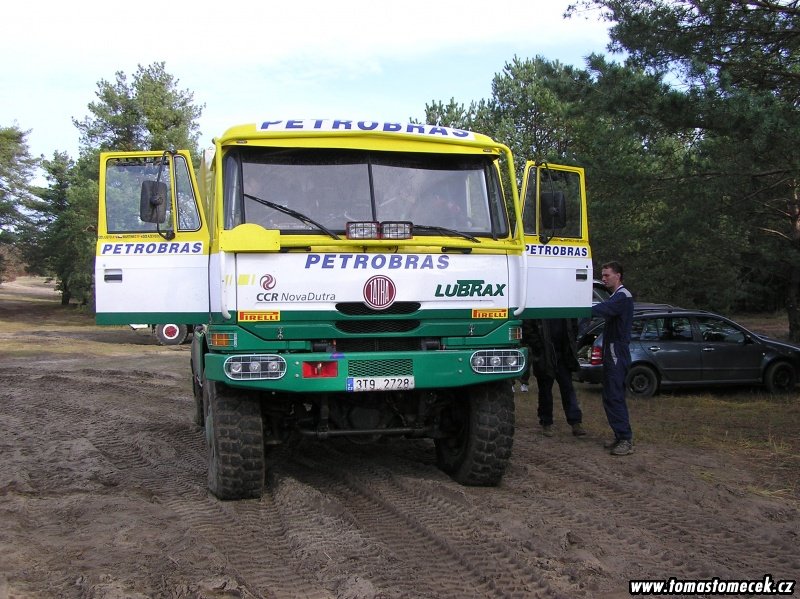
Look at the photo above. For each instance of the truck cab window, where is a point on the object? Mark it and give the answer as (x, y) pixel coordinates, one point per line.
(334, 186)
(124, 177)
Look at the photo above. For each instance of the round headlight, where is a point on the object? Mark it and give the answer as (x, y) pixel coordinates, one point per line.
(255, 366)
(236, 367)
(478, 361)
(512, 360)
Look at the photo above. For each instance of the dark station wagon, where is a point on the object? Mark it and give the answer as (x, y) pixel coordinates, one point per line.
(673, 347)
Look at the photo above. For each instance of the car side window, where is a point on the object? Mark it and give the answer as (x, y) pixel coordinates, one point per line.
(676, 329)
(650, 328)
(716, 330)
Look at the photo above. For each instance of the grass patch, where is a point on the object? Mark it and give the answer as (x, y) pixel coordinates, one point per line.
(748, 423)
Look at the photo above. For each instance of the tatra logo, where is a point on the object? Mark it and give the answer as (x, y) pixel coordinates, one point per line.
(379, 292)
(267, 282)
(470, 288)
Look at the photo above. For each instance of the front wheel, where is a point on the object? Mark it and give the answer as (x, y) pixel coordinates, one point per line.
(235, 441)
(781, 377)
(642, 381)
(479, 434)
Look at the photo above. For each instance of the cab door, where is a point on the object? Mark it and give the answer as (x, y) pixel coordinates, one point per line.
(559, 259)
(151, 262)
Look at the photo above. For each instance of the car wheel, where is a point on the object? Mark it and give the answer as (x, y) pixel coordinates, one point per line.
(642, 381)
(171, 334)
(781, 377)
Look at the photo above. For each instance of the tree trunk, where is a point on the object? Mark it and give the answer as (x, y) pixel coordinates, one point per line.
(65, 297)
(793, 295)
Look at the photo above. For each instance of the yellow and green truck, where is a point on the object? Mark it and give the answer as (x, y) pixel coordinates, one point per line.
(355, 279)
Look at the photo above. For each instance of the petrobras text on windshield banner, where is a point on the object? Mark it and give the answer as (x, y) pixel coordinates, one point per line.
(377, 262)
(557, 250)
(377, 126)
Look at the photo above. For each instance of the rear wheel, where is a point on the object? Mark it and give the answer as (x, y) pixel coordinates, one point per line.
(781, 377)
(171, 334)
(235, 441)
(479, 434)
(642, 381)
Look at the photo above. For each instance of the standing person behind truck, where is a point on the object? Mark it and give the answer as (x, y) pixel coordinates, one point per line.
(554, 357)
(617, 311)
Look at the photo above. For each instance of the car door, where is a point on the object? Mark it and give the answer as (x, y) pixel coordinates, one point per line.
(559, 260)
(670, 344)
(151, 262)
(728, 354)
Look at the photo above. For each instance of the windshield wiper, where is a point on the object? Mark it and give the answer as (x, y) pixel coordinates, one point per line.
(293, 213)
(452, 232)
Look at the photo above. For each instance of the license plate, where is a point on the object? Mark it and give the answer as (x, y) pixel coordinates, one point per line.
(380, 383)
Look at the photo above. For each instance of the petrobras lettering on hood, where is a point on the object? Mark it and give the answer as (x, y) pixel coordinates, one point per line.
(557, 250)
(377, 262)
(332, 125)
(151, 248)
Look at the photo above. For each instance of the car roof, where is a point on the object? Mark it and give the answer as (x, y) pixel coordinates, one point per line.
(645, 309)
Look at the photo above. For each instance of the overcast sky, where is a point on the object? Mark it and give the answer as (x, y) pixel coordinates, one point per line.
(248, 60)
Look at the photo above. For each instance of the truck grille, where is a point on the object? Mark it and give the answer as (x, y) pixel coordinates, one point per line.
(376, 326)
(382, 344)
(361, 309)
(381, 368)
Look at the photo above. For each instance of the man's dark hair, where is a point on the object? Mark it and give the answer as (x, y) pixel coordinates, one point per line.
(616, 267)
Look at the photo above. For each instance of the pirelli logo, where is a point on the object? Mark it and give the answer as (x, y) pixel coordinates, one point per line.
(495, 313)
(273, 316)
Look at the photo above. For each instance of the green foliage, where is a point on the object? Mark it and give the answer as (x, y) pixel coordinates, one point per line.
(16, 171)
(739, 63)
(149, 113)
(59, 238)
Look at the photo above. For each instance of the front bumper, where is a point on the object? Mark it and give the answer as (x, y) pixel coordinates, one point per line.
(433, 369)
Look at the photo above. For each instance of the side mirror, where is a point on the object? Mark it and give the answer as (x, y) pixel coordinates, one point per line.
(153, 202)
(554, 210)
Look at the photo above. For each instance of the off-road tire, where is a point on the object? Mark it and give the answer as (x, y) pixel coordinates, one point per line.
(642, 381)
(780, 377)
(480, 434)
(235, 442)
(171, 334)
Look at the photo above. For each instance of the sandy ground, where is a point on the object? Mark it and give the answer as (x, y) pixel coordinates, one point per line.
(103, 495)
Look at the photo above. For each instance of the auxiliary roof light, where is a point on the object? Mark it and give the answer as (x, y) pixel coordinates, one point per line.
(374, 230)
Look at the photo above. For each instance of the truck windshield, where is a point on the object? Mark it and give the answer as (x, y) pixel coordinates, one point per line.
(333, 187)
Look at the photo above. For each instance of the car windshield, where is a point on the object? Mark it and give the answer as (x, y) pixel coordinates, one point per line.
(333, 187)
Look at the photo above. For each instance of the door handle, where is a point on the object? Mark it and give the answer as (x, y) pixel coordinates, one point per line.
(654, 348)
(112, 274)
(708, 349)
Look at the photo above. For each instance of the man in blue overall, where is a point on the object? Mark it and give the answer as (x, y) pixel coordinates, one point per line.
(617, 311)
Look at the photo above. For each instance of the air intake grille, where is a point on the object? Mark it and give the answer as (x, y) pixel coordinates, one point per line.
(376, 326)
(382, 344)
(361, 309)
(381, 368)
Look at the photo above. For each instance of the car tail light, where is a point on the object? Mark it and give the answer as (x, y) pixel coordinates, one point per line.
(597, 356)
